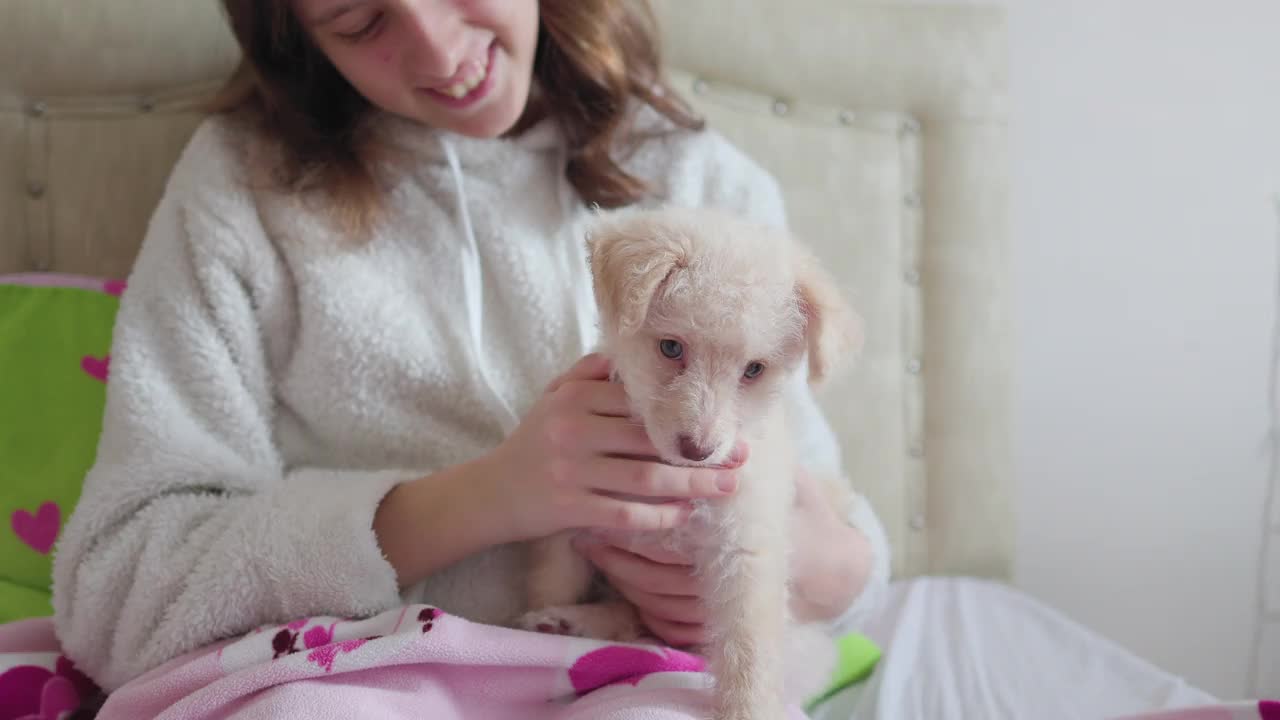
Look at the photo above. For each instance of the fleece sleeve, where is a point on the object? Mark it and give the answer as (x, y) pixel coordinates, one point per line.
(820, 452)
(190, 528)
(732, 179)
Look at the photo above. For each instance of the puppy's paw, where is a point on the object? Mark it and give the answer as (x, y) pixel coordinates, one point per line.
(549, 621)
(603, 621)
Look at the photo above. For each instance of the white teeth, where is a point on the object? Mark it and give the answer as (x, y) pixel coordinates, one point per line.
(460, 89)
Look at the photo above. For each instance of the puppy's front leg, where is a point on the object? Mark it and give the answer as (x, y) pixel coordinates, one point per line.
(558, 575)
(749, 621)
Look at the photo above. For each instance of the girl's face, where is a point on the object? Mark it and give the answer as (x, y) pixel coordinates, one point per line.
(459, 65)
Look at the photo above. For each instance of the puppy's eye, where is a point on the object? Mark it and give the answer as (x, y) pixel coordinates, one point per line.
(671, 349)
(753, 371)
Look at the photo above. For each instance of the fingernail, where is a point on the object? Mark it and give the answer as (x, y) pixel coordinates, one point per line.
(727, 482)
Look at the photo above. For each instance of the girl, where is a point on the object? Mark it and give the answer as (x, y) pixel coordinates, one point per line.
(339, 378)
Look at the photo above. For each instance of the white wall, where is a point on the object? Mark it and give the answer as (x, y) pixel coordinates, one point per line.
(1146, 156)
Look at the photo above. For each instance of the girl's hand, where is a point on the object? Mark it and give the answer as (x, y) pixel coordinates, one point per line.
(578, 461)
(658, 582)
(830, 560)
(829, 566)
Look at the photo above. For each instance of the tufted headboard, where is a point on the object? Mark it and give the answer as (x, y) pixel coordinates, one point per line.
(883, 122)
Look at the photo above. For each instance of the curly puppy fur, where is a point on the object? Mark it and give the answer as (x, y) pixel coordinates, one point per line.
(732, 294)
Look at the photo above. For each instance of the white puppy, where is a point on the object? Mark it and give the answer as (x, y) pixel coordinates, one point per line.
(706, 317)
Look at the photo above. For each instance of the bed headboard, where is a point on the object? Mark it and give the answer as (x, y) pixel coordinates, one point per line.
(883, 122)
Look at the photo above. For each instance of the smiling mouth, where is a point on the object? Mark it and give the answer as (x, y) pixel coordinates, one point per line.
(470, 87)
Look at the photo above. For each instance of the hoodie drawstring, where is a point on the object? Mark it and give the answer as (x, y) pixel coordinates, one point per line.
(473, 284)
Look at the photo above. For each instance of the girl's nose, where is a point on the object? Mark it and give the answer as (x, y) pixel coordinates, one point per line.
(437, 35)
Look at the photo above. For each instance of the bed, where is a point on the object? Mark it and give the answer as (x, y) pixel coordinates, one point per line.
(884, 123)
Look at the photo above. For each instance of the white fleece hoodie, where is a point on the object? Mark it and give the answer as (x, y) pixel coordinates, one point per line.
(272, 380)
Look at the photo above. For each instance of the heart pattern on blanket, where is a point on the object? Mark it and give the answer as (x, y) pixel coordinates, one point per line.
(622, 664)
(39, 531)
(59, 696)
(317, 636)
(324, 655)
(96, 368)
(32, 692)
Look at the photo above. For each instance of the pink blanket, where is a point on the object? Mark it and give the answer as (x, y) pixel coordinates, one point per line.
(415, 662)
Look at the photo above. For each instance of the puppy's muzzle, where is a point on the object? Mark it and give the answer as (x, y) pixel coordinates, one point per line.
(690, 449)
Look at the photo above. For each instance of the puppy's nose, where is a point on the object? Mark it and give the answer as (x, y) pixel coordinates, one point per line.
(690, 450)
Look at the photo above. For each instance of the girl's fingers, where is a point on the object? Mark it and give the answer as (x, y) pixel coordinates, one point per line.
(589, 367)
(592, 396)
(615, 514)
(683, 609)
(586, 387)
(676, 634)
(645, 478)
(606, 436)
(636, 571)
(650, 546)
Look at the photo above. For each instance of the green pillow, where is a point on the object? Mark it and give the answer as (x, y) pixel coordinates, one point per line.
(55, 336)
(857, 659)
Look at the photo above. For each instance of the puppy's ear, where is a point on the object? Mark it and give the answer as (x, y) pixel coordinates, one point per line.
(833, 330)
(628, 265)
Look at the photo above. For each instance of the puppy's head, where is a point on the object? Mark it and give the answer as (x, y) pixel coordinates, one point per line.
(705, 317)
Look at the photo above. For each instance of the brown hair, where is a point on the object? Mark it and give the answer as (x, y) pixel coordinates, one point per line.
(593, 58)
